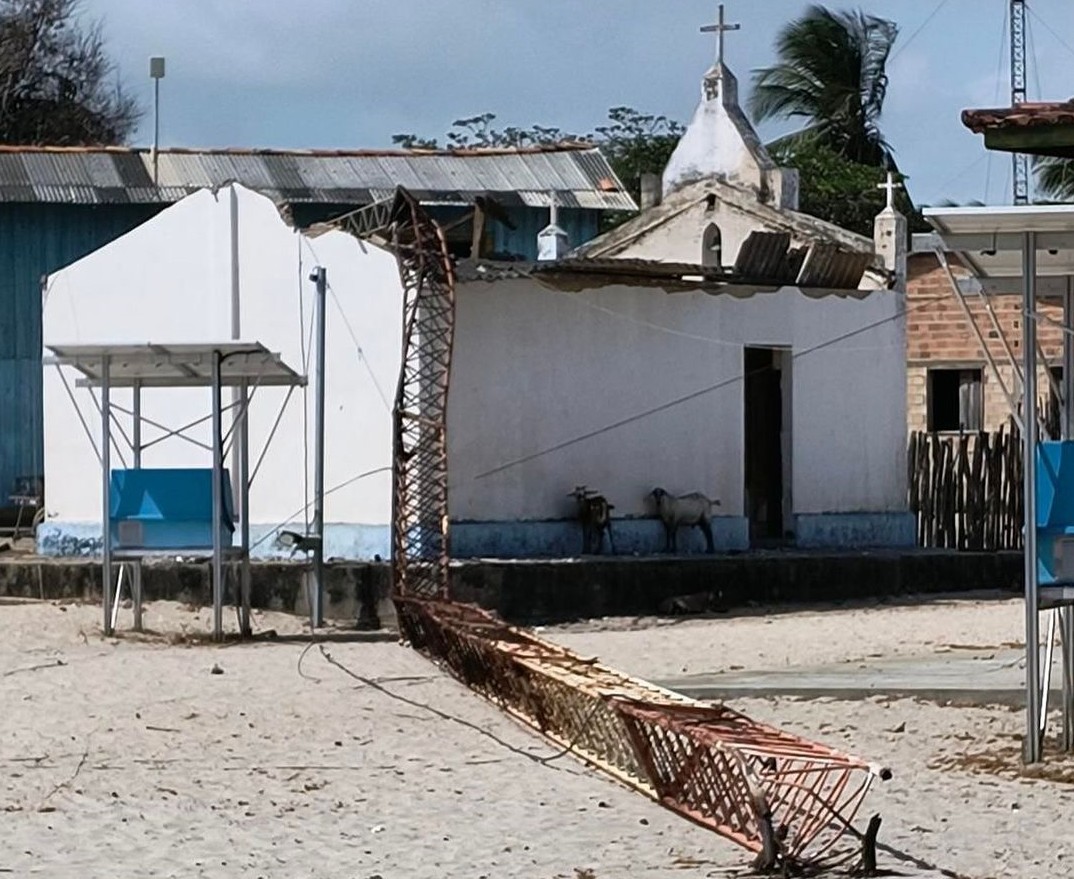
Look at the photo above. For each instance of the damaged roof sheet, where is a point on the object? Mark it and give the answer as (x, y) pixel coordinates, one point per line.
(579, 175)
(820, 270)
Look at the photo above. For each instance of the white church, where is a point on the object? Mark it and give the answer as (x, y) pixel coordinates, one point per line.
(719, 341)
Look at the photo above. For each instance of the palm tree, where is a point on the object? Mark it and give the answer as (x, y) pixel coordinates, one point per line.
(831, 73)
(1055, 178)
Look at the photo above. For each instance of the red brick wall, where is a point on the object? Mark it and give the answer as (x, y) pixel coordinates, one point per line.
(937, 331)
(938, 335)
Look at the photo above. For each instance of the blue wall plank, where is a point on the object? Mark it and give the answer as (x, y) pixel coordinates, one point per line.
(36, 240)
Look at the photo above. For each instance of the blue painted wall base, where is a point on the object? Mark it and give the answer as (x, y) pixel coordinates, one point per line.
(563, 538)
(539, 539)
(341, 540)
(849, 530)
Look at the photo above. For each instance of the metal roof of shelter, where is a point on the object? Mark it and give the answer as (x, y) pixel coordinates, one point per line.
(1034, 128)
(176, 366)
(578, 174)
(990, 240)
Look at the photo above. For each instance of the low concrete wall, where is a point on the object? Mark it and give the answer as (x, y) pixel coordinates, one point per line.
(534, 592)
(274, 585)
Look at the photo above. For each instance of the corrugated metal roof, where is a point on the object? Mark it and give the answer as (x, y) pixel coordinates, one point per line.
(578, 175)
(764, 256)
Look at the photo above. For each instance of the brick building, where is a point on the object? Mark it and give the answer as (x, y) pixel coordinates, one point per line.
(950, 384)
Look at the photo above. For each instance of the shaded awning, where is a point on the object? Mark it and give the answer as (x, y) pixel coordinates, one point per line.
(991, 240)
(152, 365)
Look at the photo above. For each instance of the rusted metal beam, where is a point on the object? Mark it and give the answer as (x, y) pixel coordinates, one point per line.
(791, 801)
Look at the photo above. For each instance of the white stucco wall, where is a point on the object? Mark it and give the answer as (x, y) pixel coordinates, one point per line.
(170, 281)
(679, 239)
(535, 368)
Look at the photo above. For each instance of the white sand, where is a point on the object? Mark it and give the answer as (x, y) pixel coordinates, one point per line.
(131, 759)
(676, 646)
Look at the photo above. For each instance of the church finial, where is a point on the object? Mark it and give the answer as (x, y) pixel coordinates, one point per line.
(720, 28)
(890, 186)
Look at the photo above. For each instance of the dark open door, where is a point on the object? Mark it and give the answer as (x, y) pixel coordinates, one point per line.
(763, 445)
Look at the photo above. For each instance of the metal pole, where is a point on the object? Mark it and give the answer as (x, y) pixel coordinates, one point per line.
(1066, 619)
(320, 276)
(236, 333)
(244, 496)
(1029, 487)
(136, 427)
(106, 494)
(156, 125)
(218, 491)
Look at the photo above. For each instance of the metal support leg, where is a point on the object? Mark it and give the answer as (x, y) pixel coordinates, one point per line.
(244, 494)
(1066, 631)
(136, 593)
(106, 494)
(1032, 752)
(136, 425)
(118, 594)
(1066, 614)
(218, 491)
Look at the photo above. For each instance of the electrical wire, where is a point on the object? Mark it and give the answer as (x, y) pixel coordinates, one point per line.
(332, 490)
(999, 81)
(920, 28)
(305, 392)
(1033, 13)
(358, 348)
(1031, 51)
(663, 407)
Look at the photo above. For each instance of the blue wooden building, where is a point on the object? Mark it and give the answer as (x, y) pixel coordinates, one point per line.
(59, 204)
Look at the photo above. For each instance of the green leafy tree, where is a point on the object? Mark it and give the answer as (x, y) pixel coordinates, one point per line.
(57, 84)
(1055, 178)
(831, 74)
(841, 191)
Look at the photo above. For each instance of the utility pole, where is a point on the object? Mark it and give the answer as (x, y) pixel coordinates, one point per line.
(320, 278)
(1020, 177)
(156, 73)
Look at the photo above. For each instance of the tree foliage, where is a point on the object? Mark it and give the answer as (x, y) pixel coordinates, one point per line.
(1055, 178)
(56, 81)
(838, 190)
(634, 143)
(831, 73)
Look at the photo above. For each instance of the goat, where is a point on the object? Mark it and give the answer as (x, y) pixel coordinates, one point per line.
(687, 509)
(595, 514)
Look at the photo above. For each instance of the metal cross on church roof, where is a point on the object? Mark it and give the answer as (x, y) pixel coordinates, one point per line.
(719, 29)
(890, 186)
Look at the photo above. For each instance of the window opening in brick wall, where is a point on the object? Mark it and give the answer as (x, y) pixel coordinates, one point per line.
(955, 400)
(1052, 417)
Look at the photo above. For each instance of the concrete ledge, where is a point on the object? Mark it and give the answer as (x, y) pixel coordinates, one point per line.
(274, 585)
(541, 592)
(545, 592)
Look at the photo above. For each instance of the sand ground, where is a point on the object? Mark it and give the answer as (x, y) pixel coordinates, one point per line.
(129, 757)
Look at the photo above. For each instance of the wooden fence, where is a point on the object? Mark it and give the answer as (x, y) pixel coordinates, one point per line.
(966, 490)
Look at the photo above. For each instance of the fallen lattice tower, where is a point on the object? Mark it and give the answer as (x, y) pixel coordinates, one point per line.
(792, 801)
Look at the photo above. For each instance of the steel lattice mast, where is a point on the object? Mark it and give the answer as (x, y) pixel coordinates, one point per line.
(1020, 175)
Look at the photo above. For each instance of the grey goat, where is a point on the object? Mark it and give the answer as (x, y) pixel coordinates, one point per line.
(690, 509)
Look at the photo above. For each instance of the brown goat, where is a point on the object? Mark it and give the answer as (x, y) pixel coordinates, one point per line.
(595, 514)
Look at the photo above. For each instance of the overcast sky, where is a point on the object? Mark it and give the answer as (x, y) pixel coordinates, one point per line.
(350, 73)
